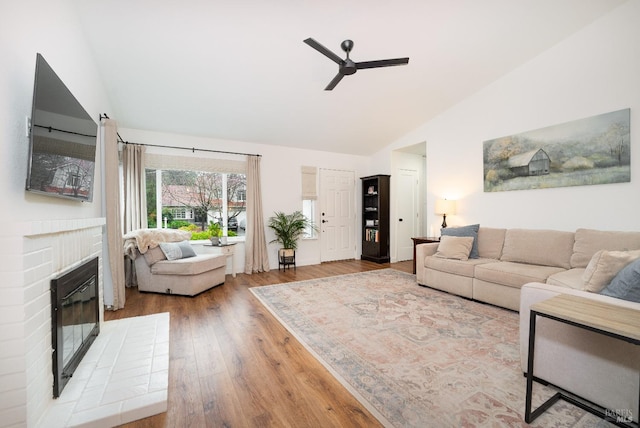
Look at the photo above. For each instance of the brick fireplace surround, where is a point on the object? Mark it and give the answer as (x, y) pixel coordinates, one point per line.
(31, 254)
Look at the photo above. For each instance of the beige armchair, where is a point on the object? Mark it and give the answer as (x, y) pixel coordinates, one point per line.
(186, 276)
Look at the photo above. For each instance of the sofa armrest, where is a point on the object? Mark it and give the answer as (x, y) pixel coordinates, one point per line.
(599, 368)
(534, 292)
(424, 250)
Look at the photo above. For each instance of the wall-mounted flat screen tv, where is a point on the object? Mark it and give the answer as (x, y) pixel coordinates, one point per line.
(62, 144)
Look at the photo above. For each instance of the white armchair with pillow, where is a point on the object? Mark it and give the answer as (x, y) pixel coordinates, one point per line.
(166, 263)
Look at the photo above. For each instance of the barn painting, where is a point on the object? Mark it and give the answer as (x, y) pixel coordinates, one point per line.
(594, 150)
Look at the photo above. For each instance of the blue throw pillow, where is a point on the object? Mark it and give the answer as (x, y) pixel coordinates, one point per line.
(626, 284)
(177, 250)
(471, 230)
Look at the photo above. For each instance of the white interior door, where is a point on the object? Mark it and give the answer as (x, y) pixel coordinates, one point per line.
(337, 215)
(406, 212)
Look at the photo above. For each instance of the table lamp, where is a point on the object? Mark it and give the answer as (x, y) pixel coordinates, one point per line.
(444, 207)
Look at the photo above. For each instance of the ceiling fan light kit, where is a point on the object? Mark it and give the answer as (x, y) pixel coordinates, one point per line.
(347, 67)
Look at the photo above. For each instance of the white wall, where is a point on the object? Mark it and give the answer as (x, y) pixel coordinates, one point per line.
(597, 70)
(281, 176)
(52, 29)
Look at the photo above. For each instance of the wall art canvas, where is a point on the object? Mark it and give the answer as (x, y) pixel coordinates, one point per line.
(594, 150)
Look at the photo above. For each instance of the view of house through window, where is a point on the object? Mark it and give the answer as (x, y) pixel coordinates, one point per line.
(195, 199)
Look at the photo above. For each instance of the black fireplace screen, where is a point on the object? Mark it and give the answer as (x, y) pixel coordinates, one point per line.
(75, 320)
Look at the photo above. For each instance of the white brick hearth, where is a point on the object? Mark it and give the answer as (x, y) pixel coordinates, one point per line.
(123, 377)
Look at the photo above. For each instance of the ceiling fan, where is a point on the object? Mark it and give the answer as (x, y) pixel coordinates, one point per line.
(347, 66)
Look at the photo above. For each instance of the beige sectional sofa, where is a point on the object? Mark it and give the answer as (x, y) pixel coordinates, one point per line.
(519, 267)
(510, 258)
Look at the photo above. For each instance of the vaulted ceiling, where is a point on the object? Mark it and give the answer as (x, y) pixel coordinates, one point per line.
(239, 70)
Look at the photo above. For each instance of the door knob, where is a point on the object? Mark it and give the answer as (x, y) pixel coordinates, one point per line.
(399, 219)
(325, 221)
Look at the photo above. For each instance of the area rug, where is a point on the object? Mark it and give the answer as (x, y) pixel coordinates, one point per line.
(414, 356)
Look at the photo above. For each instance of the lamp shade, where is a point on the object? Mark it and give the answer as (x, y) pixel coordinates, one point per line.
(445, 207)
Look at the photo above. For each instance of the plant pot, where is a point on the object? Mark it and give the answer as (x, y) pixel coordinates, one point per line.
(286, 257)
(214, 240)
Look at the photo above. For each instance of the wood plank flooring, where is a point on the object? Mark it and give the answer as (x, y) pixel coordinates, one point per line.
(232, 364)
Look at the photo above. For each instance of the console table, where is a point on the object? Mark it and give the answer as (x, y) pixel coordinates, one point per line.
(225, 249)
(420, 240)
(593, 315)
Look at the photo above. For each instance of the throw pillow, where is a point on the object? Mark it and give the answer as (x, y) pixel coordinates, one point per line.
(177, 250)
(470, 230)
(154, 255)
(626, 284)
(454, 247)
(604, 266)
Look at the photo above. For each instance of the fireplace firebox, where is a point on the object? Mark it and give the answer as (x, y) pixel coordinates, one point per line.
(75, 320)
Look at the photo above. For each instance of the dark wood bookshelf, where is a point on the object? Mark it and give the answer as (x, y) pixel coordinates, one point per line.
(375, 218)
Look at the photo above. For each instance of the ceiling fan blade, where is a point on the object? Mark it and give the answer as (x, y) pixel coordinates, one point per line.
(382, 63)
(324, 51)
(334, 82)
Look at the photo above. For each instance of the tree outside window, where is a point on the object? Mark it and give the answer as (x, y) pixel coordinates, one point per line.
(202, 194)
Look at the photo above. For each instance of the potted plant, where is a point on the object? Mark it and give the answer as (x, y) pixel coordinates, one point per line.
(288, 228)
(216, 232)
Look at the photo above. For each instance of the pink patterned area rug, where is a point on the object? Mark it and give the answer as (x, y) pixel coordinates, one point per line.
(414, 356)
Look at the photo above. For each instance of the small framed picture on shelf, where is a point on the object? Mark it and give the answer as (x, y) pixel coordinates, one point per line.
(370, 223)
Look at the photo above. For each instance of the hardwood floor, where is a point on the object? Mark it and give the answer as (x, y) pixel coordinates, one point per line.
(232, 364)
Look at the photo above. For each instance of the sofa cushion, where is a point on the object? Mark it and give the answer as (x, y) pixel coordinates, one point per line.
(514, 274)
(456, 267)
(189, 266)
(538, 247)
(589, 241)
(604, 266)
(490, 242)
(154, 255)
(626, 284)
(471, 230)
(454, 247)
(177, 250)
(571, 278)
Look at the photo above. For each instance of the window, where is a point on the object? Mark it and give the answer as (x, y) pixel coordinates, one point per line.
(196, 197)
(182, 213)
(309, 196)
(309, 211)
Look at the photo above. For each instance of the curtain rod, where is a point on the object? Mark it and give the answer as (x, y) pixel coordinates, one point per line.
(192, 149)
(51, 129)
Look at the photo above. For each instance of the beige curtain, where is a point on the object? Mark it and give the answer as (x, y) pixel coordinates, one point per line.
(111, 208)
(256, 257)
(135, 189)
(135, 199)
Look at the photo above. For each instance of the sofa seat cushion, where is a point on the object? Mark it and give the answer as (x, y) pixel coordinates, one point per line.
(189, 266)
(456, 267)
(514, 274)
(571, 278)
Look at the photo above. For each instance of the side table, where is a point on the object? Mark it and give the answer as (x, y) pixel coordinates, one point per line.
(420, 240)
(224, 249)
(596, 316)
